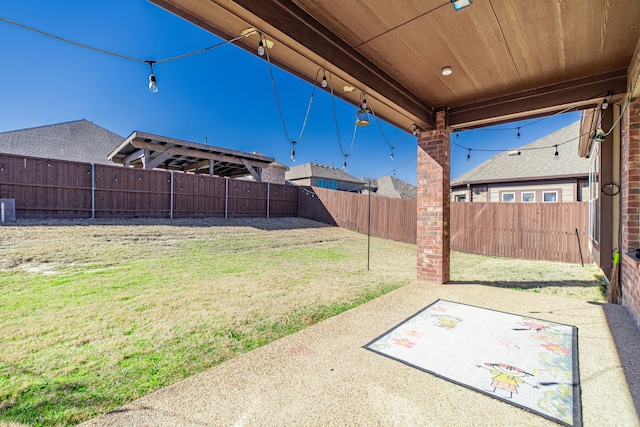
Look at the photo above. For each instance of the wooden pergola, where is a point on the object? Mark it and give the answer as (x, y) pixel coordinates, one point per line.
(147, 151)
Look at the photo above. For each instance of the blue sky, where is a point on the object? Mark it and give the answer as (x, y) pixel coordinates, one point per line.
(223, 95)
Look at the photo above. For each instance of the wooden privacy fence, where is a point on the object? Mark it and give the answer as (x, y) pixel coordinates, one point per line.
(393, 219)
(62, 189)
(536, 231)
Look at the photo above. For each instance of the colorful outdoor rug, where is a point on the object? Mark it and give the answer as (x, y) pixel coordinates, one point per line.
(527, 362)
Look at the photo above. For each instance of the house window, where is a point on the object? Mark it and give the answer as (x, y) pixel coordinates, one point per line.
(594, 192)
(550, 196)
(528, 197)
(508, 197)
(461, 197)
(328, 183)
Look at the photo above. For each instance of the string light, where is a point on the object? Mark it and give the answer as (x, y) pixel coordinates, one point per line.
(556, 155)
(469, 155)
(324, 80)
(518, 134)
(153, 84)
(260, 46)
(414, 129)
(391, 154)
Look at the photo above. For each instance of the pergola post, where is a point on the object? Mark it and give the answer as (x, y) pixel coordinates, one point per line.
(433, 231)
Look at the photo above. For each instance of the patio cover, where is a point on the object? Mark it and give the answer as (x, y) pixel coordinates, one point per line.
(147, 151)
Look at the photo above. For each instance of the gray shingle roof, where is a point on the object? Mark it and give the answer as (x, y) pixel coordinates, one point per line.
(79, 141)
(309, 170)
(533, 163)
(390, 186)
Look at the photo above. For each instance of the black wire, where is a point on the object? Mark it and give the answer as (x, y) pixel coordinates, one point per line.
(118, 55)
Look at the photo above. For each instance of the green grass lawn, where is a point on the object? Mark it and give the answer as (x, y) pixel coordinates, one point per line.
(94, 315)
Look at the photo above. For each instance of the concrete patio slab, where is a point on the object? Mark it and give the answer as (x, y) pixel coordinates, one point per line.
(323, 376)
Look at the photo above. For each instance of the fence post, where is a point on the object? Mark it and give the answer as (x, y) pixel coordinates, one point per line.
(268, 194)
(171, 196)
(226, 196)
(93, 191)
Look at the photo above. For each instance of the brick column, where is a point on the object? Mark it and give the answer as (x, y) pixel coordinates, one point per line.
(630, 197)
(630, 209)
(433, 203)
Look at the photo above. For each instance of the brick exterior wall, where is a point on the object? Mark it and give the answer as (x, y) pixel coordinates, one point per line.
(630, 215)
(433, 204)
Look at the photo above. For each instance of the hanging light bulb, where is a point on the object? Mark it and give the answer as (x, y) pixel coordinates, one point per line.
(469, 155)
(344, 165)
(364, 103)
(518, 134)
(415, 129)
(391, 155)
(293, 155)
(153, 84)
(261, 48)
(324, 80)
(556, 155)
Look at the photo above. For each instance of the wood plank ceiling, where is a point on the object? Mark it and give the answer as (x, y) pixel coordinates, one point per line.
(510, 59)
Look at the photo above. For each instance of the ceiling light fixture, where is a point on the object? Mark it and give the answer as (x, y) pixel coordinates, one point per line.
(153, 84)
(447, 71)
(460, 4)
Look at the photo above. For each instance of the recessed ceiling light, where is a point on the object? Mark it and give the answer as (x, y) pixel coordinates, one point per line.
(348, 88)
(446, 71)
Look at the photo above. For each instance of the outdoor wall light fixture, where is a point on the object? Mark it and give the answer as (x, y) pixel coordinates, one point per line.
(153, 84)
(460, 4)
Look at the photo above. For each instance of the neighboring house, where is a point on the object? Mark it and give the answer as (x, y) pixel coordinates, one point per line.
(316, 175)
(78, 141)
(390, 186)
(532, 173)
(84, 141)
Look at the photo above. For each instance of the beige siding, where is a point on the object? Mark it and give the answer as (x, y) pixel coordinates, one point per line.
(566, 191)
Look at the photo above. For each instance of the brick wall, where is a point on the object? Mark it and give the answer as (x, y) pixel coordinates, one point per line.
(433, 233)
(630, 215)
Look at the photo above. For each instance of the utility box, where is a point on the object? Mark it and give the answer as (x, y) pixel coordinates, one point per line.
(7, 210)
